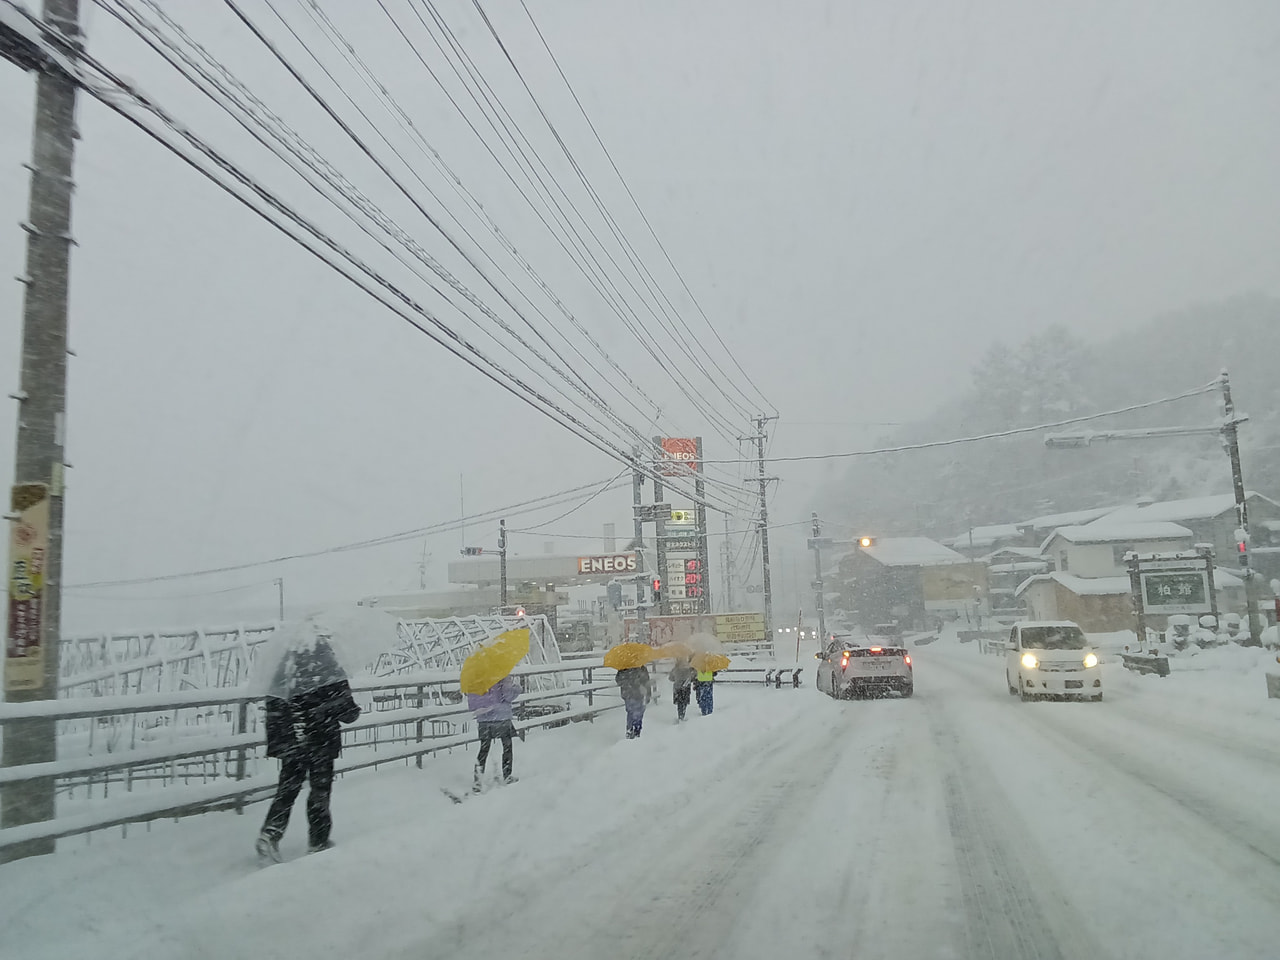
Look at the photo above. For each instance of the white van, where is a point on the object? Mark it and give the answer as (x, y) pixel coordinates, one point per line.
(1052, 658)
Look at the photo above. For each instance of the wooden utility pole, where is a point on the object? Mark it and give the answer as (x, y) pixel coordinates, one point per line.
(1231, 442)
(35, 542)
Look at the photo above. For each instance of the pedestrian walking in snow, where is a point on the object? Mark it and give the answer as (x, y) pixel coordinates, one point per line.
(302, 732)
(495, 720)
(681, 678)
(633, 683)
(703, 689)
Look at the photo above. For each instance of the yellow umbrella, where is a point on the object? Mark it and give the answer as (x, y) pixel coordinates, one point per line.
(627, 655)
(710, 662)
(673, 651)
(495, 660)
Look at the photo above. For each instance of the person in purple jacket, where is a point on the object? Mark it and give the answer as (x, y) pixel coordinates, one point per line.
(495, 720)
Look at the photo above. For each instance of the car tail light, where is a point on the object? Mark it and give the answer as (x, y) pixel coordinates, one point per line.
(844, 662)
(906, 658)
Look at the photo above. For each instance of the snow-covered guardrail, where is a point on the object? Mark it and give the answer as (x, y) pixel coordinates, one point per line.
(214, 739)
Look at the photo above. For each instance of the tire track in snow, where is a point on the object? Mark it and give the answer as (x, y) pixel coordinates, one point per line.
(605, 901)
(1014, 909)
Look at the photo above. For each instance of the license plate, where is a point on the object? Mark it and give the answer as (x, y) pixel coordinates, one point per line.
(1074, 684)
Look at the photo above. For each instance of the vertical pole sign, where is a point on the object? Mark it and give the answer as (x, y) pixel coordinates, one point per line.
(24, 652)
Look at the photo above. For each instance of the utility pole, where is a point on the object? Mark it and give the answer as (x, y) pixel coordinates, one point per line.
(35, 588)
(700, 512)
(760, 421)
(660, 532)
(280, 588)
(728, 567)
(1228, 433)
(1231, 443)
(817, 577)
(502, 562)
(637, 500)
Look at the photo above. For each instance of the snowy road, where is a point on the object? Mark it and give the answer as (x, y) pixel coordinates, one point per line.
(960, 823)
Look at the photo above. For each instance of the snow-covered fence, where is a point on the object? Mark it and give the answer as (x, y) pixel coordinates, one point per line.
(144, 756)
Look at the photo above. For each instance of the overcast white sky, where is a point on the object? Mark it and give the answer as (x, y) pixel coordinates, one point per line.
(861, 195)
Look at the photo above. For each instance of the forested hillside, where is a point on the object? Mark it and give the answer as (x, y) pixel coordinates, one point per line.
(1055, 375)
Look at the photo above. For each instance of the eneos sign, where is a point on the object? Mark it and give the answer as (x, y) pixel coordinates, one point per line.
(679, 456)
(609, 563)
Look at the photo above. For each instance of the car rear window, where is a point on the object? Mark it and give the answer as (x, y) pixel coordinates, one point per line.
(877, 652)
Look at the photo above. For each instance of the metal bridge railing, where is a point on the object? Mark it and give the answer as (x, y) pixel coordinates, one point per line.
(143, 756)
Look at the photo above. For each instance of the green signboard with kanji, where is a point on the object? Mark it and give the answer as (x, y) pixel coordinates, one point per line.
(1180, 591)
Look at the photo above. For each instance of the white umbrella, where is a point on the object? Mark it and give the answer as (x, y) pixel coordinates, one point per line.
(322, 648)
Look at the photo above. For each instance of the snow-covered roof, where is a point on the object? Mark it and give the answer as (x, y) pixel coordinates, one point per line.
(912, 552)
(1195, 508)
(985, 536)
(1072, 519)
(1080, 586)
(1028, 552)
(1019, 566)
(1108, 530)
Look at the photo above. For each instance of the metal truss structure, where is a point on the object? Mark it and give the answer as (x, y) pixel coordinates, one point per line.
(222, 657)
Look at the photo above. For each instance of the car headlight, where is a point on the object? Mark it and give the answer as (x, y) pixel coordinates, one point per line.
(1029, 661)
(1090, 660)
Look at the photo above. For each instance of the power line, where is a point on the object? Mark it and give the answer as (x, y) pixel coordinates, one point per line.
(609, 485)
(646, 276)
(526, 506)
(617, 301)
(299, 148)
(263, 202)
(653, 233)
(1012, 432)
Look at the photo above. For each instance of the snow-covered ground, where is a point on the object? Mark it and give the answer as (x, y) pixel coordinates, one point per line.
(961, 823)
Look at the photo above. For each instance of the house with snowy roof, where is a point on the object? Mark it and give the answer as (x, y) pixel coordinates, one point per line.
(1090, 584)
(913, 580)
(1212, 520)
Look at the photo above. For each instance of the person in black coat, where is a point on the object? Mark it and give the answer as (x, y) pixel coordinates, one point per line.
(633, 684)
(303, 733)
(681, 677)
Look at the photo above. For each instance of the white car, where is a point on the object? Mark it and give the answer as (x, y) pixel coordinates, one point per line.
(1052, 658)
(846, 670)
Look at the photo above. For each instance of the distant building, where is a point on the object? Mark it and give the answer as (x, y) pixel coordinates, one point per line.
(1097, 549)
(1104, 604)
(1007, 568)
(912, 580)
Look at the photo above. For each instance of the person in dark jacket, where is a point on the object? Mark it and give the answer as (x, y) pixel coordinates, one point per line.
(681, 678)
(633, 683)
(302, 732)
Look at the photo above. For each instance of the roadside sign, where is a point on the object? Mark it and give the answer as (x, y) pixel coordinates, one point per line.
(683, 517)
(681, 543)
(608, 563)
(679, 456)
(1176, 591)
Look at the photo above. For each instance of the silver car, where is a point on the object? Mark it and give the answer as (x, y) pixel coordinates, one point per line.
(848, 670)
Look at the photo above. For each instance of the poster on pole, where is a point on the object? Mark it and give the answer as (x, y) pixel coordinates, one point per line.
(28, 550)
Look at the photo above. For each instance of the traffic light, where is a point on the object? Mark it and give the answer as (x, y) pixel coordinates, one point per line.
(1242, 547)
(657, 589)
